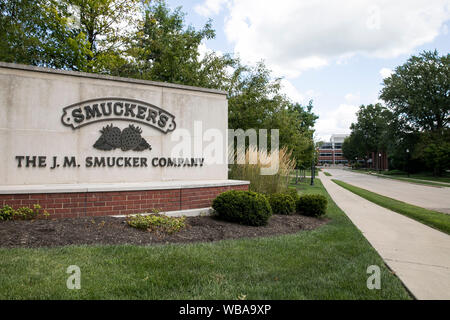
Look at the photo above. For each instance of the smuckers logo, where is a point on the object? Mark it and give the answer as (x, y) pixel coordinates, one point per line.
(107, 109)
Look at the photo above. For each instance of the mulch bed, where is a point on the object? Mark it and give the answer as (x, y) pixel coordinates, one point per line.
(114, 231)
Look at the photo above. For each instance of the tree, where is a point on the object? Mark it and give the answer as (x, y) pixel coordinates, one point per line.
(107, 27)
(418, 92)
(81, 35)
(353, 147)
(434, 149)
(164, 49)
(371, 127)
(39, 33)
(255, 101)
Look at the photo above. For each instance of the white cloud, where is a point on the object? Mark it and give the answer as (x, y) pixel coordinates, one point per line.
(352, 98)
(295, 95)
(293, 36)
(385, 73)
(336, 121)
(210, 7)
(203, 50)
(444, 29)
(291, 91)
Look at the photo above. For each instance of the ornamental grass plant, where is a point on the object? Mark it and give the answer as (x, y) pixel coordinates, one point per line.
(250, 167)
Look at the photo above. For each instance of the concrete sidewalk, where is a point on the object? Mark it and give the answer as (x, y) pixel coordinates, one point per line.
(429, 197)
(418, 254)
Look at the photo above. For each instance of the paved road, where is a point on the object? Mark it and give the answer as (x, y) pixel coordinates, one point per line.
(419, 255)
(434, 198)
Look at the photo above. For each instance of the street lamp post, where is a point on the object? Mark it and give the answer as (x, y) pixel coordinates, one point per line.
(379, 162)
(407, 162)
(313, 167)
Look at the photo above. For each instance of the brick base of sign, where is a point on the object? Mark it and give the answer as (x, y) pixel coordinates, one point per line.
(89, 204)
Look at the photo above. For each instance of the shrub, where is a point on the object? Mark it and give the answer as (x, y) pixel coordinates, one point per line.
(293, 193)
(356, 165)
(244, 207)
(282, 203)
(157, 223)
(22, 213)
(6, 213)
(314, 205)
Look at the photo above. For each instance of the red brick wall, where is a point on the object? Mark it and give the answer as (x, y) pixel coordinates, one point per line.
(65, 205)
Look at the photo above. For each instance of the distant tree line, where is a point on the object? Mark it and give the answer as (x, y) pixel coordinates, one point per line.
(147, 40)
(413, 127)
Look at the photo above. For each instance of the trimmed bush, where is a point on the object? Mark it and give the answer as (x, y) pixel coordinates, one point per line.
(282, 203)
(243, 207)
(313, 205)
(293, 193)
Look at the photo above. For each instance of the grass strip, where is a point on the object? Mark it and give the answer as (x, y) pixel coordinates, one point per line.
(434, 219)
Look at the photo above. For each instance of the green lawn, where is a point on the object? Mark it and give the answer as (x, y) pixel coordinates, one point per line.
(327, 263)
(306, 172)
(327, 174)
(437, 220)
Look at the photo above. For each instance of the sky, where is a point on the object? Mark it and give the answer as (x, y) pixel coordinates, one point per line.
(336, 53)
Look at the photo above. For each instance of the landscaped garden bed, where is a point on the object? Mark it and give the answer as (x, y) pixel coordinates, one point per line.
(329, 262)
(110, 230)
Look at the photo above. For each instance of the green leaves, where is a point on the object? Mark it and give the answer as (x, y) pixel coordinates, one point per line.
(282, 203)
(369, 132)
(244, 207)
(67, 34)
(354, 147)
(434, 149)
(314, 205)
(255, 101)
(419, 92)
(157, 223)
(165, 50)
(22, 213)
(414, 129)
